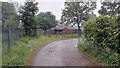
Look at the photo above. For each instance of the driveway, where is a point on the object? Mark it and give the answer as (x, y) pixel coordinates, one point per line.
(62, 53)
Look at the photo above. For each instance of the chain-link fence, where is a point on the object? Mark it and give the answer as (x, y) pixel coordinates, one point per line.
(10, 36)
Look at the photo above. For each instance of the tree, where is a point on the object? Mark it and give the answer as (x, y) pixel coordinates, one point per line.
(110, 8)
(77, 12)
(46, 21)
(12, 22)
(27, 16)
(8, 15)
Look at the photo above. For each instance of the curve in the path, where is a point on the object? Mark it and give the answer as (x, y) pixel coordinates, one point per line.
(62, 53)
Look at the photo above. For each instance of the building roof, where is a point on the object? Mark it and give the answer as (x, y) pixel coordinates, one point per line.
(62, 26)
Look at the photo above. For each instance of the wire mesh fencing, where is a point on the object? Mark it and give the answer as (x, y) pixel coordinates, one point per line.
(10, 36)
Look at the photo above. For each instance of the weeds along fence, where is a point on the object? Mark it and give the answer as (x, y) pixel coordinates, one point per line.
(9, 37)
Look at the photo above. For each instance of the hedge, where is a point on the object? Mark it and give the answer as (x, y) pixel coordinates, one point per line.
(101, 39)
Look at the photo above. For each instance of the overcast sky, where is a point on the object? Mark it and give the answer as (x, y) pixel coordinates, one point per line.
(55, 6)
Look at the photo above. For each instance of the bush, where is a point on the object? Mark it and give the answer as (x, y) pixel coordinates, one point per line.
(101, 39)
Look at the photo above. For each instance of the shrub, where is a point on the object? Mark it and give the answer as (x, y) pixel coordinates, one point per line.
(101, 39)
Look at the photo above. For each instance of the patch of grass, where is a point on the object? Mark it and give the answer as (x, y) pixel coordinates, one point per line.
(86, 52)
(22, 50)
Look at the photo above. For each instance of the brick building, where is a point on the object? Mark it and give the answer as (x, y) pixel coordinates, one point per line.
(62, 29)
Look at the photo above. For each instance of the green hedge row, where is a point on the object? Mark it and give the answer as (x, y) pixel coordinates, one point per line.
(101, 39)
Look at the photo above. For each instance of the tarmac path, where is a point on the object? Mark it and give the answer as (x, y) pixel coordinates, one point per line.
(62, 53)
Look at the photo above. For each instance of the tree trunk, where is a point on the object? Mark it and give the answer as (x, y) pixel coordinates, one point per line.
(26, 31)
(35, 32)
(45, 31)
(79, 30)
(78, 22)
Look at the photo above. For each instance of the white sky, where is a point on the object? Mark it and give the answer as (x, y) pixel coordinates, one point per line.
(55, 6)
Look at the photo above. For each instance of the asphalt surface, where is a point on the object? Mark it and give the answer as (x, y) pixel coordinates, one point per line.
(62, 53)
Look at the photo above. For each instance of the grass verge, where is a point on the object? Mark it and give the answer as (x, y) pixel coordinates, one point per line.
(21, 52)
(105, 57)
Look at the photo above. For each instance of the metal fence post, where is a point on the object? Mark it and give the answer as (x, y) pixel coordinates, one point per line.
(9, 41)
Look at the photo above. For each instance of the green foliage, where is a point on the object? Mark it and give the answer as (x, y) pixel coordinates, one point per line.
(23, 49)
(77, 12)
(46, 20)
(110, 8)
(12, 22)
(9, 16)
(8, 9)
(101, 39)
(27, 16)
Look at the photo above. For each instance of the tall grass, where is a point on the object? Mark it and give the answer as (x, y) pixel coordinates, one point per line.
(22, 50)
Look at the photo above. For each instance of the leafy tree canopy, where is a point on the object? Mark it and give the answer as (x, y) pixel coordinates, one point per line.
(77, 12)
(9, 15)
(46, 20)
(110, 8)
(27, 16)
